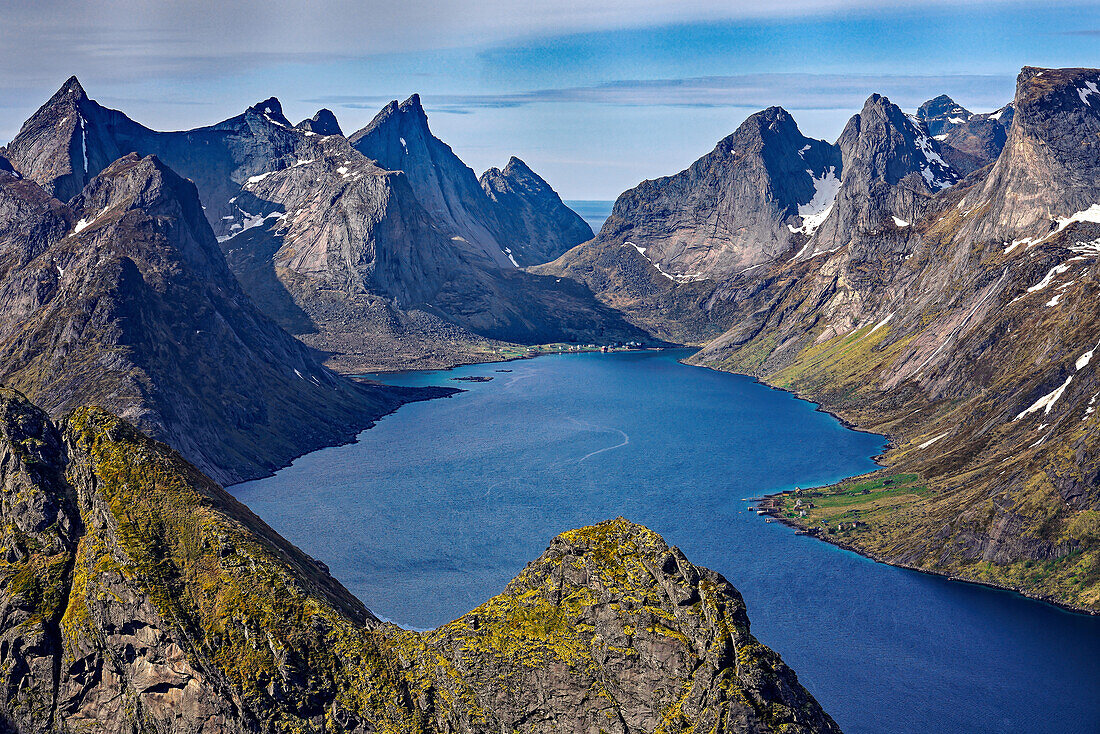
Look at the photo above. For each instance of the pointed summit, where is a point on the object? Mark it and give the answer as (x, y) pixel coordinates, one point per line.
(942, 114)
(399, 139)
(51, 147)
(71, 88)
(751, 200)
(272, 110)
(892, 166)
(322, 123)
(531, 218)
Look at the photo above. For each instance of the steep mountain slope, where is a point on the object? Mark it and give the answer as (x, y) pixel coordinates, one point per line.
(752, 201)
(342, 253)
(398, 139)
(511, 218)
(968, 336)
(892, 166)
(982, 138)
(377, 279)
(139, 595)
(531, 219)
(122, 299)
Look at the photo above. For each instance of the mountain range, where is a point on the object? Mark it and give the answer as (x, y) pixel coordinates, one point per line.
(929, 276)
(954, 311)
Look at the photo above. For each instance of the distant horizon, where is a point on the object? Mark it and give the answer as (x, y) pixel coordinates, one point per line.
(595, 97)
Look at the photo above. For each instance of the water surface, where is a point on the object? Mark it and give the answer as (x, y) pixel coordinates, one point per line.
(593, 211)
(437, 507)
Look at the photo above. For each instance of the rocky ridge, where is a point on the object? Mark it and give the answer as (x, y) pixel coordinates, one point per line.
(141, 596)
(122, 298)
(350, 292)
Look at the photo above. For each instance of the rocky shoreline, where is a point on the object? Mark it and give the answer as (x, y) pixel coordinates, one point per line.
(770, 504)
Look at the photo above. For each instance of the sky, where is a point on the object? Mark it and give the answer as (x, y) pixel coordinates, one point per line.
(594, 96)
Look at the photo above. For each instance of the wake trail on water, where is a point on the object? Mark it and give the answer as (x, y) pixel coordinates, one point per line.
(604, 429)
(625, 441)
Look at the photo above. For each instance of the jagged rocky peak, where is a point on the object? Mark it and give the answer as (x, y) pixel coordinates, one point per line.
(399, 139)
(532, 222)
(941, 114)
(893, 145)
(150, 188)
(760, 192)
(892, 166)
(1049, 170)
(322, 123)
(271, 110)
(387, 138)
(51, 147)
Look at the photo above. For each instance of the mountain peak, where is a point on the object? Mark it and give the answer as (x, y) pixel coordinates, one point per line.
(941, 114)
(272, 110)
(413, 103)
(72, 88)
(324, 122)
(515, 165)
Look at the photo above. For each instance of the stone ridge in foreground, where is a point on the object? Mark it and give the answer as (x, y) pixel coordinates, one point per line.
(139, 595)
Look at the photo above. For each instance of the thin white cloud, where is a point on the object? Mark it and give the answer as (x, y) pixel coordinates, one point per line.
(751, 91)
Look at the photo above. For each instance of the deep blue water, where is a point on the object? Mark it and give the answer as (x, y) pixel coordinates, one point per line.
(593, 211)
(440, 504)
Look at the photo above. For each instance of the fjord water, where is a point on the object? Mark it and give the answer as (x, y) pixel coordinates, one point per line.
(438, 506)
(593, 211)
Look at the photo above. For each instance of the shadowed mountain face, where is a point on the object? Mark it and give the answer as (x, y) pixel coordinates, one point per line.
(121, 298)
(322, 123)
(942, 114)
(380, 266)
(136, 587)
(531, 219)
(398, 139)
(958, 315)
(511, 218)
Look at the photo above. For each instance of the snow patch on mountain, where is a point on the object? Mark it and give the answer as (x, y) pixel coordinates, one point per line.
(817, 209)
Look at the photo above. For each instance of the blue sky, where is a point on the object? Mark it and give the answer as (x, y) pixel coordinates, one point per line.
(594, 96)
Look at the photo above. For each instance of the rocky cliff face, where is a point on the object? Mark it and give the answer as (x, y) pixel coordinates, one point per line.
(1050, 166)
(531, 220)
(760, 192)
(941, 115)
(398, 139)
(138, 595)
(891, 167)
(122, 299)
(410, 268)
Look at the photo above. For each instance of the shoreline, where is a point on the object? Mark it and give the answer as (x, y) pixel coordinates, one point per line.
(772, 512)
(767, 504)
(501, 359)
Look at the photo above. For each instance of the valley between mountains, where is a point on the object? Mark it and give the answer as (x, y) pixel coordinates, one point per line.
(183, 309)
